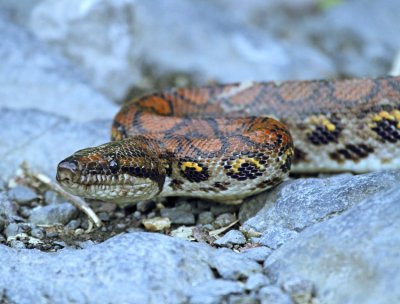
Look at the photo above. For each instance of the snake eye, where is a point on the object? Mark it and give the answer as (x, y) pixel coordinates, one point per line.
(113, 165)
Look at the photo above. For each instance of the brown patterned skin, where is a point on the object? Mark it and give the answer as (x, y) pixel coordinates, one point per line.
(220, 142)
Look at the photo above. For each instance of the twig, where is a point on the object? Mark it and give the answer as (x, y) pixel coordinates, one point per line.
(76, 201)
(216, 232)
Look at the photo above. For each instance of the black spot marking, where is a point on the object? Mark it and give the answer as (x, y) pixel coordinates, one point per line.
(354, 152)
(387, 130)
(193, 175)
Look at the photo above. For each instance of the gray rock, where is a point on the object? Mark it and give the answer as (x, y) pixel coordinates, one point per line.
(22, 194)
(205, 217)
(50, 197)
(232, 237)
(218, 209)
(224, 220)
(242, 299)
(17, 244)
(44, 146)
(37, 233)
(130, 263)
(351, 258)
(296, 205)
(113, 58)
(13, 229)
(7, 208)
(233, 268)
(46, 77)
(256, 281)
(276, 236)
(181, 215)
(273, 294)
(213, 291)
(258, 254)
(300, 290)
(53, 214)
(73, 224)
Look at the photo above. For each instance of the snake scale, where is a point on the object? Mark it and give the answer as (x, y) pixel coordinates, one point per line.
(226, 142)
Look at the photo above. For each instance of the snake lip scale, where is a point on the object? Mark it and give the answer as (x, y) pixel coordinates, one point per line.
(226, 142)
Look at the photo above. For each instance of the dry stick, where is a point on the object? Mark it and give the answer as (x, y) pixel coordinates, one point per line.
(76, 201)
(223, 229)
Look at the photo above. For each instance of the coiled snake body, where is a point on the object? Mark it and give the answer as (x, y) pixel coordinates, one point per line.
(226, 142)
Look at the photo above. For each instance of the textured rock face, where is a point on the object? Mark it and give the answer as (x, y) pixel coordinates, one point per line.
(143, 267)
(352, 258)
(33, 76)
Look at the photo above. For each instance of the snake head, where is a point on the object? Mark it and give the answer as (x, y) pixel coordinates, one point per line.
(123, 172)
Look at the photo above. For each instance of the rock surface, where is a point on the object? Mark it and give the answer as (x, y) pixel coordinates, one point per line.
(143, 267)
(351, 258)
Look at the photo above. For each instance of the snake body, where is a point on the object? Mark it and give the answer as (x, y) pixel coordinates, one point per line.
(226, 142)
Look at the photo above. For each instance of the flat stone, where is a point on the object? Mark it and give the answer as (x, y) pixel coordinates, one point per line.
(205, 217)
(276, 236)
(156, 223)
(232, 237)
(273, 294)
(350, 258)
(258, 254)
(53, 214)
(296, 205)
(143, 267)
(22, 194)
(179, 215)
(256, 281)
(224, 220)
(300, 290)
(214, 290)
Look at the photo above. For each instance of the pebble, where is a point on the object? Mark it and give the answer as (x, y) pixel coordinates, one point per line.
(232, 237)
(37, 233)
(273, 294)
(22, 194)
(243, 299)
(52, 234)
(212, 291)
(156, 223)
(183, 232)
(181, 215)
(53, 214)
(104, 216)
(224, 220)
(120, 226)
(277, 236)
(50, 197)
(205, 217)
(13, 229)
(259, 254)
(137, 215)
(73, 224)
(300, 290)
(17, 244)
(25, 211)
(256, 281)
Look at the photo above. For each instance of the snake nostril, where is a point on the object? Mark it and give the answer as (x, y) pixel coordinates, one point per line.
(66, 170)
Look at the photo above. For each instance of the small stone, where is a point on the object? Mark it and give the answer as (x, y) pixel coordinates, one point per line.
(53, 214)
(256, 281)
(205, 217)
(218, 209)
(183, 232)
(84, 223)
(52, 234)
(13, 229)
(104, 216)
(232, 237)
(17, 244)
(181, 215)
(73, 224)
(156, 223)
(22, 194)
(243, 299)
(137, 215)
(300, 290)
(145, 206)
(120, 226)
(25, 211)
(79, 231)
(277, 236)
(224, 220)
(37, 233)
(50, 197)
(273, 294)
(212, 291)
(259, 254)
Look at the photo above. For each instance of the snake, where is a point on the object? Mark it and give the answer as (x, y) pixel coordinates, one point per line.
(227, 142)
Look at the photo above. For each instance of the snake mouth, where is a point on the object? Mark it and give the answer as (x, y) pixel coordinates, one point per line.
(119, 188)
